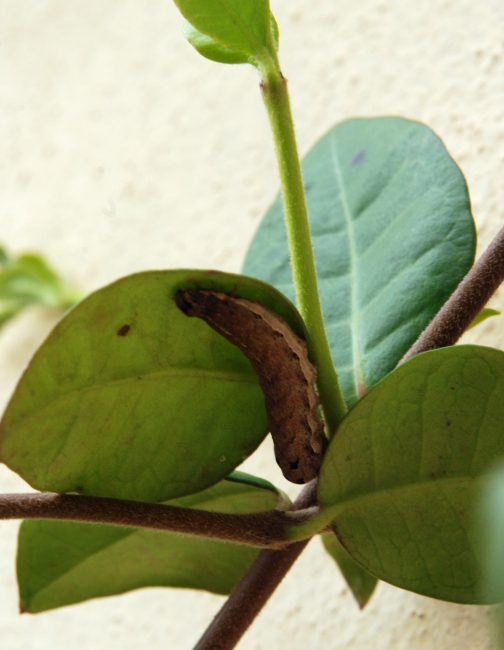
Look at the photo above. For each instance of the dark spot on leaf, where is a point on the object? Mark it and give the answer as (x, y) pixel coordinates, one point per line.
(452, 387)
(448, 424)
(359, 158)
(122, 331)
(348, 457)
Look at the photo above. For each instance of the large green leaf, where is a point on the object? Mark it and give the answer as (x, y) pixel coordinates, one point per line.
(130, 398)
(361, 583)
(402, 476)
(392, 233)
(240, 25)
(60, 563)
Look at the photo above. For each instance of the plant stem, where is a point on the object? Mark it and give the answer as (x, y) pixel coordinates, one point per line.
(276, 99)
(466, 301)
(261, 529)
(255, 588)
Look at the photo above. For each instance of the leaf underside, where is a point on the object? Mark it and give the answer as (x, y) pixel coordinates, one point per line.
(392, 234)
(360, 582)
(403, 475)
(241, 26)
(62, 563)
(130, 398)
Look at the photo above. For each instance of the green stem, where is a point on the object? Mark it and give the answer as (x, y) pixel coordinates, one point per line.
(276, 100)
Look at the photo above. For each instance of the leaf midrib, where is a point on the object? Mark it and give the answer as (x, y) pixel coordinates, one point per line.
(231, 377)
(333, 511)
(354, 310)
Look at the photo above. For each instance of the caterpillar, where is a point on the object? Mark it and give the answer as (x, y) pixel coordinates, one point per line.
(286, 375)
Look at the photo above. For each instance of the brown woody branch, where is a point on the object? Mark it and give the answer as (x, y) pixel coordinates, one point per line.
(261, 529)
(255, 588)
(465, 303)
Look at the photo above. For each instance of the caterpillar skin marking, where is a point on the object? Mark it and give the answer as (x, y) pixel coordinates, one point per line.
(286, 376)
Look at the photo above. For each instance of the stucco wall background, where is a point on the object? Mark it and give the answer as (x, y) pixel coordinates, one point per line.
(122, 150)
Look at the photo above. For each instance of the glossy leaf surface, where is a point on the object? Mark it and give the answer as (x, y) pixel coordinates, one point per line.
(361, 583)
(61, 563)
(393, 236)
(240, 25)
(130, 398)
(402, 477)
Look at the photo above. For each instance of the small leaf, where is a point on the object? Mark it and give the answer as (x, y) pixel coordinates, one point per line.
(393, 235)
(208, 48)
(361, 583)
(241, 26)
(401, 479)
(483, 315)
(130, 398)
(28, 280)
(61, 563)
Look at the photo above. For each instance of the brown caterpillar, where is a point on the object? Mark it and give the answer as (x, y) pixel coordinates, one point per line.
(286, 375)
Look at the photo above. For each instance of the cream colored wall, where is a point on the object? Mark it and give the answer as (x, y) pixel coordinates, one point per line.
(121, 150)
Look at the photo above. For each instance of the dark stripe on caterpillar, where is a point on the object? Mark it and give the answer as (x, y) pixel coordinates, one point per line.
(286, 375)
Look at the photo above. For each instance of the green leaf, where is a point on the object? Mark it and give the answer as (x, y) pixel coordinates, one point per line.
(401, 478)
(242, 26)
(393, 236)
(208, 48)
(483, 315)
(28, 280)
(61, 563)
(130, 398)
(491, 521)
(361, 583)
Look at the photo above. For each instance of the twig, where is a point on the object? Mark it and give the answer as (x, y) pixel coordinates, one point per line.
(270, 567)
(255, 588)
(261, 529)
(465, 303)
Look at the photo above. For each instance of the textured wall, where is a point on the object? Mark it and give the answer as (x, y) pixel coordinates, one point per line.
(121, 150)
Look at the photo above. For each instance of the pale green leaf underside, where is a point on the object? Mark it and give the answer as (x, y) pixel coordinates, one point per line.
(130, 398)
(210, 49)
(491, 521)
(61, 563)
(392, 234)
(238, 25)
(483, 315)
(401, 476)
(361, 583)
